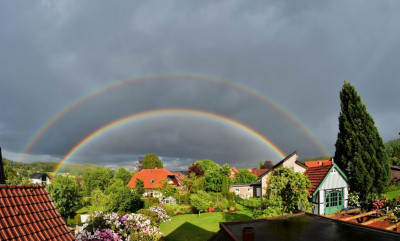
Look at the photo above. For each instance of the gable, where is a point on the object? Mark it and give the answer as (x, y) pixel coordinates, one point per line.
(325, 177)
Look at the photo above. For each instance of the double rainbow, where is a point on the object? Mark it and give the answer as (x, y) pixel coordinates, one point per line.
(159, 112)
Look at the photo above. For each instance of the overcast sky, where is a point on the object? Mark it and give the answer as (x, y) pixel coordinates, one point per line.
(271, 58)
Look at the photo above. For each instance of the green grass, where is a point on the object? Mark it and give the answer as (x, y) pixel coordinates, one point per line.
(192, 227)
(392, 194)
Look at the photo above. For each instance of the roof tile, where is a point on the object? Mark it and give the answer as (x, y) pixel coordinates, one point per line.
(316, 175)
(28, 213)
(153, 178)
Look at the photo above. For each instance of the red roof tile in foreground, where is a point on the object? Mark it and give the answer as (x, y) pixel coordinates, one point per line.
(28, 213)
(318, 163)
(153, 178)
(316, 175)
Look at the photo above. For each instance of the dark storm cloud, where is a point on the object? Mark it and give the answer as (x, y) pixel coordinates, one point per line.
(296, 53)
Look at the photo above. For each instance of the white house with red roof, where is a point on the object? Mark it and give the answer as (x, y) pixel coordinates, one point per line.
(329, 187)
(153, 179)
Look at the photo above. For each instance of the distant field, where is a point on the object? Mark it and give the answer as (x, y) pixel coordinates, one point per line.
(392, 194)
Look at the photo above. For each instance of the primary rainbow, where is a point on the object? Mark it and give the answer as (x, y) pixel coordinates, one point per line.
(116, 84)
(162, 112)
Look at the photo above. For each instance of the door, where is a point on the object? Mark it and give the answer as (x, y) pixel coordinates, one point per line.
(333, 202)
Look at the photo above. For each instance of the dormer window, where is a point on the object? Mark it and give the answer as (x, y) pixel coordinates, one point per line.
(152, 181)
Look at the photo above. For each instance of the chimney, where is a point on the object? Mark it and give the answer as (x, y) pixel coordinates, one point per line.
(2, 175)
(247, 234)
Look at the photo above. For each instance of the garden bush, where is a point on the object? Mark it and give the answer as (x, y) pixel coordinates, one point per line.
(154, 201)
(113, 226)
(153, 216)
(171, 209)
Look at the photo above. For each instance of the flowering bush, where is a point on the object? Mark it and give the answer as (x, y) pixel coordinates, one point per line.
(113, 226)
(162, 214)
(354, 199)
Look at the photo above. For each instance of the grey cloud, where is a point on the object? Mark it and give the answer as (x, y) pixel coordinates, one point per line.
(297, 54)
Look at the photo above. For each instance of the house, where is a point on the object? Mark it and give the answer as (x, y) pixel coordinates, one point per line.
(39, 178)
(329, 190)
(395, 174)
(242, 190)
(260, 185)
(154, 179)
(257, 172)
(234, 170)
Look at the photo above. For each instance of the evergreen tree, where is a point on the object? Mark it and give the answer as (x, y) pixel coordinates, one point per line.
(359, 148)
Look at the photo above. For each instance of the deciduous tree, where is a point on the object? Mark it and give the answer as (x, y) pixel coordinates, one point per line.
(244, 177)
(200, 201)
(197, 169)
(64, 191)
(123, 174)
(96, 178)
(151, 161)
(286, 191)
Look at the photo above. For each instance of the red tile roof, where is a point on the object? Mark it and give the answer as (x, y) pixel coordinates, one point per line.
(318, 163)
(234, 171)
(316, 175)
(153, 178)
(178, 174)
(257, 172)
(28, 213)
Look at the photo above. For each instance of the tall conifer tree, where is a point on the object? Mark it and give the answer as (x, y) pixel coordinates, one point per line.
(359, 148)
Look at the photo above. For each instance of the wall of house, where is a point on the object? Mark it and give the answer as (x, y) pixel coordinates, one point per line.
(289, 163)
(39, 181)
(245, 191)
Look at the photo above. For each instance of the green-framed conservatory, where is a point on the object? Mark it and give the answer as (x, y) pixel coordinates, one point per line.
(329, 191)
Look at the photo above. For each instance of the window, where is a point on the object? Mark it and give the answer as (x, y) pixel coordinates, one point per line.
(237, 190)
(249, 189)
(152, 181)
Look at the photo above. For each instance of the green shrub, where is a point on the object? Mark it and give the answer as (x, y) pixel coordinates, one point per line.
(393, 187)
(154, 201)
(153, 216)
(217, 209)
(231, 196)
(146, 204)
(186, 209)
(224, 203)
(232, 203)
(171, 209)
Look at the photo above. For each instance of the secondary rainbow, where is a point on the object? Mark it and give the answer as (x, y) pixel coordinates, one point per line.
(162, 112)
(119, 83)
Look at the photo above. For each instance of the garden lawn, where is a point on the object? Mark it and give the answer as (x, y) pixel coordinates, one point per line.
(392, 194)
(192, 227)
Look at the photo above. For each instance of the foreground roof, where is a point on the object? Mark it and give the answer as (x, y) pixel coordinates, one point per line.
(153, 178)
(303, 226)
(28, 213)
